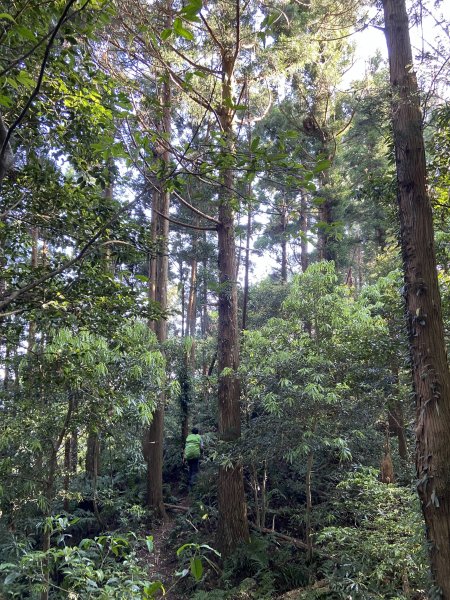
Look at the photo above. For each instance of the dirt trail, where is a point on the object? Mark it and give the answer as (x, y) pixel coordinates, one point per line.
(163, 562)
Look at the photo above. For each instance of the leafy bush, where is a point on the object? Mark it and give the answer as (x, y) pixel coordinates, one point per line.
(102, 568)
(378, 550)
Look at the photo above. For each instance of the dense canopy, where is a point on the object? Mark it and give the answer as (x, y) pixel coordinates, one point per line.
(227, 220)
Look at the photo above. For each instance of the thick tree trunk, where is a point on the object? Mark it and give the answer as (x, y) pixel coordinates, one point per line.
(204, 311)
(431, 376)
(191, 318)
(324, 237)
(154, 435)
(92, 461)
(283, 219)
(233, 526)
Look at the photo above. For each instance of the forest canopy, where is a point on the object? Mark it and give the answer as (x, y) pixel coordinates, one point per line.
(224, 300)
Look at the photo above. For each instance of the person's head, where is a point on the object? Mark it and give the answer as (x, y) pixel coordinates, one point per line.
(194, 430)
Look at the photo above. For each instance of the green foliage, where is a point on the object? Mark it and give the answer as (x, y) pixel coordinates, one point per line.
(103, 567)
(85, 383)
(306, 367)
(377, 548)
(196, 555)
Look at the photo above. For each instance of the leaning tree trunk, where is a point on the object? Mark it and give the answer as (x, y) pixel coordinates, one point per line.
(233, 526)
(431, 375)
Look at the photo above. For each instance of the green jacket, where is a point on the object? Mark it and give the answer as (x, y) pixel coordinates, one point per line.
(193, 446)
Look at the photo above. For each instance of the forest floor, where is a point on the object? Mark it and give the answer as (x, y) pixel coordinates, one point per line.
(163, 564)
(163, 561)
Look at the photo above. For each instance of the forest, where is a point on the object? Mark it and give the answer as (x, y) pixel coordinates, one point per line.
(224, 299)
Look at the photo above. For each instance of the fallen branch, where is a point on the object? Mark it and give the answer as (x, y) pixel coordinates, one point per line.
(291, 540)
(321, 587)
(281, 536)
(176, 507)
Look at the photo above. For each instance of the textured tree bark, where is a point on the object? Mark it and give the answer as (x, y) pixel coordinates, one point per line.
(325, 240)
(397, 427)
(92, 461)
(191, 317)
(308, 489)
(284, 220)
(189, 353)
(233, 526)
(304, 230)
(7, 157)
(247, 260)
(431, 376)
(154, 434)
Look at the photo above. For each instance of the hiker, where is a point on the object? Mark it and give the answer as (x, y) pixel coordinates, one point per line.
(192, 452)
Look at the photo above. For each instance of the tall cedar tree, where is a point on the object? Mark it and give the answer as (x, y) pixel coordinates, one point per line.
(233, 525)
(431, 375)
(159, 274)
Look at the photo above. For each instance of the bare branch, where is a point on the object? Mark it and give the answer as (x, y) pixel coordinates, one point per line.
(181, 224)
(212, 34)
(196, 210)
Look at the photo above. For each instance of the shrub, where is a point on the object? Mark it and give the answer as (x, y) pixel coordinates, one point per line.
(378, 549)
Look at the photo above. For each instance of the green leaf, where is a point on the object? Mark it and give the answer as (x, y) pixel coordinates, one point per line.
(191, 10)
(181, 31)
(7, 17)
(149, 542)
(255, 143)
(166, 33)
(25, 80)
(25, 33)
(194, 7)
(322, 165)
(209, 548)
(5, 101)
(11, 577)
(196, 567)
(150, 590)
(7, 566)
(184, 546)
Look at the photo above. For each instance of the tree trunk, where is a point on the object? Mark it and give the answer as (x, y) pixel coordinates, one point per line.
(308, 488)
(397, 427)
(283, 218)
(183, 298)
(304, 232)
(92, 462)
(191, 318)
(233, 526)
(204, 312)
(154, 434)
(152, 267)
(431, 376)
(34, 265)
(247, 260)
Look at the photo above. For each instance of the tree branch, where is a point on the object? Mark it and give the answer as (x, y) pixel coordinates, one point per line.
(181, 224)
(35, 92)
(83, 252)
(196, 210)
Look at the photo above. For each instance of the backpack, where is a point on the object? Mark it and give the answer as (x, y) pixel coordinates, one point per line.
(193, 446)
